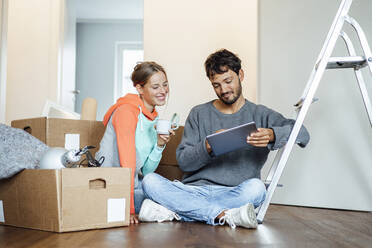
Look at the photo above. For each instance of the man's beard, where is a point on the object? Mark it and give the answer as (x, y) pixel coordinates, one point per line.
(235, 98)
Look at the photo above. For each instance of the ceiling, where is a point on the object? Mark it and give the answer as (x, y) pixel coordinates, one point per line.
(106, 9)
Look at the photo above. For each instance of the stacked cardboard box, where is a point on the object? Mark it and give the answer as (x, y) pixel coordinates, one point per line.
(67, 133)
(67, 199)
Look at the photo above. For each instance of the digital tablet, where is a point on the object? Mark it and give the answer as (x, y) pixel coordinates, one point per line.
(231, 139)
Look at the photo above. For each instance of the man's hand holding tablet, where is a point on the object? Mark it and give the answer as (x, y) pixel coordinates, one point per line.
(261, 137)
(223, 141)
(209, 148)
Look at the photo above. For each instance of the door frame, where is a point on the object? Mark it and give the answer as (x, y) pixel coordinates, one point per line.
(3, 58)
(119, 47)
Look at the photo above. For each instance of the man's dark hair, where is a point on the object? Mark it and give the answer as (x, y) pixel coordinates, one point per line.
(221, 61)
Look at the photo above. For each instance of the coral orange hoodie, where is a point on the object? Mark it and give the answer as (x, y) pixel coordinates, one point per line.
(124, 119)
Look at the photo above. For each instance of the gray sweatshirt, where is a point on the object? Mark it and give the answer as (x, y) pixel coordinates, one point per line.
(235, 167)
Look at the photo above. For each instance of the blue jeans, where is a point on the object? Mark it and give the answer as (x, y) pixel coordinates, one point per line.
(139, 196)
(201, 203)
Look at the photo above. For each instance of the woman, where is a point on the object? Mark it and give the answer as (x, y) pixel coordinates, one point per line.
(130, 139)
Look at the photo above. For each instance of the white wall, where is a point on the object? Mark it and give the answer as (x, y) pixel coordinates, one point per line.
(34, 40)
(335, 170)
(181, 34)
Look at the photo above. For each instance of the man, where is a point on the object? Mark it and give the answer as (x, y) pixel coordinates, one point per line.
(227, 188)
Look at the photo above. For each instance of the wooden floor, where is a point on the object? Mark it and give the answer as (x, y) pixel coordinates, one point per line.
(284, 226)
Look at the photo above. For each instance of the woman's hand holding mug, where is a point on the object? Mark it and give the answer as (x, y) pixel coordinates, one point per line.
(163, 139)
(165, 130)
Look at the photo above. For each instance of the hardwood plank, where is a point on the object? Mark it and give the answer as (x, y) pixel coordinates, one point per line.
(284, 226)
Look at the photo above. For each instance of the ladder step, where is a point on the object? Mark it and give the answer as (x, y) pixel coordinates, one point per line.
(267, 184)
(298, 105)
(355, 62)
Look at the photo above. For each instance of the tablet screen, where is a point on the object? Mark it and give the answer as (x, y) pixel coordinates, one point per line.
(231, 139)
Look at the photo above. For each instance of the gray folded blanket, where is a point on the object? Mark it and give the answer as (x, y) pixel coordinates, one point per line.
(18, 150)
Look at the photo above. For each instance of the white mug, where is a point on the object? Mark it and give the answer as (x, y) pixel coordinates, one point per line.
(163, 126)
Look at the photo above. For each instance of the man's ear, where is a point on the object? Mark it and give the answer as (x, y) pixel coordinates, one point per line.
(139, 89)
(241, 75)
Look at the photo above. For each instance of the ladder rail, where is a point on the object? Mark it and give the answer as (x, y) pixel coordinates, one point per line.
(306, 101)
(274, 165)
(287, 149)
(359, 77)
(278, 154)
(314, 83)
(338, 21)
(363, 40)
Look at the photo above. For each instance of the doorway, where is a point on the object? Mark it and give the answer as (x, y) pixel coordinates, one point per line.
(96, 33)
(127, 55)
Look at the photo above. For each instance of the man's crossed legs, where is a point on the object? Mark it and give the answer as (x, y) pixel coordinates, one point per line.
(207, 203)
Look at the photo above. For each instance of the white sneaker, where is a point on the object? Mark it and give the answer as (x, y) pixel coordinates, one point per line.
(152, 211)
(244, 216)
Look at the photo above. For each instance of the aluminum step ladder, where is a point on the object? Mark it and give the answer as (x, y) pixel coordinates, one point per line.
(324, 61)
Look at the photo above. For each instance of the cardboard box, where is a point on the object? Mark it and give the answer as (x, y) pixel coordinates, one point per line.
(71, 134)
(67, 199)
